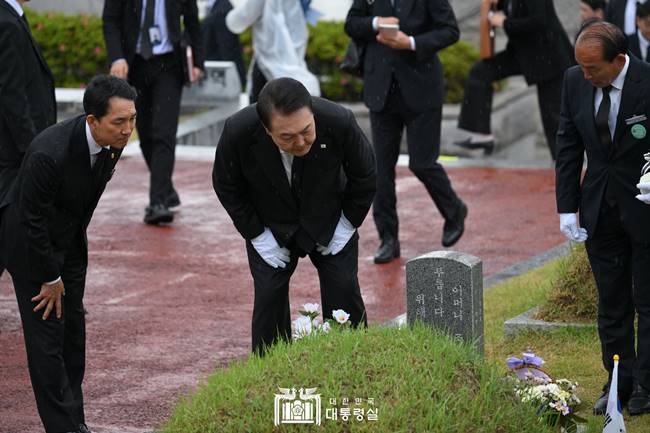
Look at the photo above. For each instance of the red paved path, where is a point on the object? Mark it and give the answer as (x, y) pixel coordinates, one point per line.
(168, 304)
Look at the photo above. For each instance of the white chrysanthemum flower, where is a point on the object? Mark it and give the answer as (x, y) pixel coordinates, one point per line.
(310, 307)
(301, 327)
(340, 316)
(325, 327)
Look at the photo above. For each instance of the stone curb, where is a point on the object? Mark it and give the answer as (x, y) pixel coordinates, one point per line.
(525, 321)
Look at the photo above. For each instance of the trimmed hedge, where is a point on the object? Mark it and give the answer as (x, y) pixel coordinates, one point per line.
(74, 48)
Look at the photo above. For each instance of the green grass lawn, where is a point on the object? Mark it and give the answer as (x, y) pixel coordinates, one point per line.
(420, 381)
(572, 354)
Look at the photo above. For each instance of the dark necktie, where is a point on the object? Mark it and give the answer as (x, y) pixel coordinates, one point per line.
(146, 49)
(647, 54)
(296, 177)
(100, 162)
(397, 6)
(602, 118)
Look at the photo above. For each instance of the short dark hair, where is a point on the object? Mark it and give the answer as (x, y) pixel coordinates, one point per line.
(611, 39)
(642, 9)
(285, 95)
(101, 89)
(595, 4)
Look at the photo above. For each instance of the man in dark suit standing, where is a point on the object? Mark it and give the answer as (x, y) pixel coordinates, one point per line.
(220, 42)
(539, 48)
(27, 104)
(143, 40)
(43, 242)
(605, 113)
(297, 176)
(639, 41)
(403, 86)
(622, 13)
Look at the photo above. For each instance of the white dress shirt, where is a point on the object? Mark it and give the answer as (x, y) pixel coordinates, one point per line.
(643, 45)
(614, 97)
(159, 20)
(17, 7)
(287, 162)
(630, 17)
(93, 147)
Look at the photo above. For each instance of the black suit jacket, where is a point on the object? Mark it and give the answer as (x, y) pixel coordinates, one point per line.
(537, 39)
(221, 43)
(615, 13)
(52, 201)
(616, 169)
(419, 73)
(122, 27)
(27, 103)
(634, 46)
(339, 175)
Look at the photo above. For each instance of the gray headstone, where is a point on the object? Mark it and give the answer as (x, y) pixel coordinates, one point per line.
(444, 289)
(219, 84)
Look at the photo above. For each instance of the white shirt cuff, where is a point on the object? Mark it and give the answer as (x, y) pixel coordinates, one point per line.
(412, 39)
(54, 282)
(375, 24)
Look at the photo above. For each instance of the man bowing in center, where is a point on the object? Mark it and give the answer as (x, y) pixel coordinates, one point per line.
(297, 176)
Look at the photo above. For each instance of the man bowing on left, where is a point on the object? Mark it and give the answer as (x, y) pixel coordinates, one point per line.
(43, 244)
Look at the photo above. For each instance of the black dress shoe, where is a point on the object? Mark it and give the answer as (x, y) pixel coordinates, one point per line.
(387, 251)
(600, 406)
(487, 146)
(454, 228)
(158, 214)
(639, 401)
(173, 202)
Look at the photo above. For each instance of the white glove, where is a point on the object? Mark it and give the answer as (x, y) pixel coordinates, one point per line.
(272, 253)
(342, 234)
(644, 187)
(569, 226)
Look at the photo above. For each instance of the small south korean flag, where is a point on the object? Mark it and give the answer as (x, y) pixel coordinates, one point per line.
(613, 416)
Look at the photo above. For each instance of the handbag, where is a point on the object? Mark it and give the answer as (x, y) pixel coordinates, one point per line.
(353, 60)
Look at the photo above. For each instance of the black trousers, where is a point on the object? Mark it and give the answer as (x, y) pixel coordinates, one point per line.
(423, 139)
(56, 348)
(159, 82)
(476, 109)
(339, 288)
(621, 267)
(258, 80)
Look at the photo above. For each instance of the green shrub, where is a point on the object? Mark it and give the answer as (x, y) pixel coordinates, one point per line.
(420, 382)
(73, 46)
(573, 297)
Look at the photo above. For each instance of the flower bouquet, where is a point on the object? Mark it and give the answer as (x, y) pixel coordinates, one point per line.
(555, 399)
(308, 323)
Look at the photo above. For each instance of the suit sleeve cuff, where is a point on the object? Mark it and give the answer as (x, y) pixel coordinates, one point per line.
(53, 282)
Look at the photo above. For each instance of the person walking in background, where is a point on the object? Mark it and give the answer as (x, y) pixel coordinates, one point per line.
(221, 43)
(605, 114)
(143, 40)
(539, 48)
(403, 87)
(297, 176)
(639, 42)
(622, 13)
(280, 38)
(44, 246)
